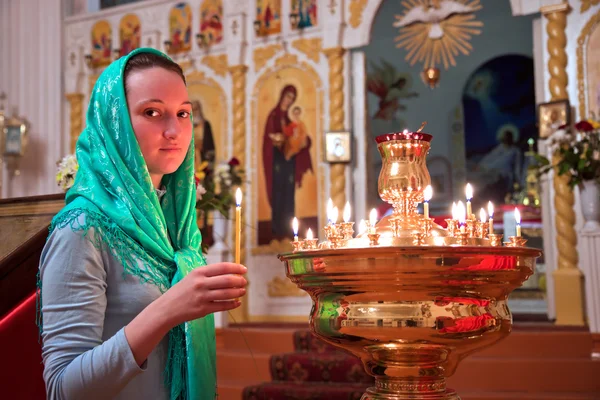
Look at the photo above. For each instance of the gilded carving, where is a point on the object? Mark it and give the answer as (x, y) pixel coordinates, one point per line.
(586, 4)
(356, 11)
(75, 116)
(557, 40)
(286, 59)
(311, 47)
(279, 287)
(581, 81)
(217, 63)
(263, 54)
(336, 121)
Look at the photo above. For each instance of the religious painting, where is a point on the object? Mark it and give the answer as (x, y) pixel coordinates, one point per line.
(268, 17)
(130, 33)
(304, 13)
(500, 117)
(211, 22)
(553, 115)
(12, 141)
(338, 147)
(101, 44)
(593, 73)
(288, 114)
(180, 28)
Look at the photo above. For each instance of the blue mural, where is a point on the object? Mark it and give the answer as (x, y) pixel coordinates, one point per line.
(499, 113)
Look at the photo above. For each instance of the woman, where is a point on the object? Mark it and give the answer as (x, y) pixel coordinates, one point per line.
(282, 175)
(126, 314)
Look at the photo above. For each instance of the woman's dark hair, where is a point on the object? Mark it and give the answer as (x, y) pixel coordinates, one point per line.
(143, 61)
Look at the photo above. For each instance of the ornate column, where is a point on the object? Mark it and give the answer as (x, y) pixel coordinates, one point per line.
(568, 279)
(337, 172)
(75, 117)
(238, 77)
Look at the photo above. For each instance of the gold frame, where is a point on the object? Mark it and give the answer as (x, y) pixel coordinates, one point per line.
(544, 109)
(582, 88)
(22, 126)
(331, 144)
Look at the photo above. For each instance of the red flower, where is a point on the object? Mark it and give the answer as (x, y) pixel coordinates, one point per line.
(234, 162)
(196, 181)
(563, 126)
(584, 126)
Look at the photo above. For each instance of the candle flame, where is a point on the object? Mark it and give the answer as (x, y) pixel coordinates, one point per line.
(517, 216)
(309, 234)
(347, 212)
(334, 214)
(454, 216)
(469, 192)
(362, 227)
(238, 197)
(373, 217)
(428, 193)
(490, 209)
(482, 215)
(329, 209)
(295, 226)
(461, 212)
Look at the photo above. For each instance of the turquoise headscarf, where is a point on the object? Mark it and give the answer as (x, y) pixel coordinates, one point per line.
(114, 190)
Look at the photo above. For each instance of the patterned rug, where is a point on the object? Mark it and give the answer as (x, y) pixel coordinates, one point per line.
(314, 371)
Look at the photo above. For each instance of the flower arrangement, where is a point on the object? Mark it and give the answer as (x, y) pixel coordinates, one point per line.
(215, 188)
(67, 169)
(576, 152)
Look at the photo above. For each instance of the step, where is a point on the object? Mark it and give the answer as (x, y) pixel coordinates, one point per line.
(325, 367)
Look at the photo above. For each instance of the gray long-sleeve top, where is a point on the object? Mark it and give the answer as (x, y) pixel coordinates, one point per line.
(86, 302)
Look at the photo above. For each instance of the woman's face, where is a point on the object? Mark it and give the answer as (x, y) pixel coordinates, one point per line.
(160, 109)
(288, 99)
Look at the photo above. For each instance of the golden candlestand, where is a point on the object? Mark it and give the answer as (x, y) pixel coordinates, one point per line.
(410, 298)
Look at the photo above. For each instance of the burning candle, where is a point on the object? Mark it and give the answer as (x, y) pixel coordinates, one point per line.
(427, 195)
(491, 214)
(362, 227)
(238, 225)
(518, 220)
(329, 209)
(461, 215)
(482, 215)
(295, 228)
(309, 234)
(469, 195)
(372, 220)
(347, 212)
(334, 215)
(454, 211)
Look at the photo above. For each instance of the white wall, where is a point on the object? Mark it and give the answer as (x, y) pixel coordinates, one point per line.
(30, 75)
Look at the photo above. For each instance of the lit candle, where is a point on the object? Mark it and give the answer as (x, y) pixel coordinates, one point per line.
(334, 215)
(309, 234)
(461, 215)
(454, 211)
(427, 195)
(295, 228)
(482, 215)
(347, 212)
(238, 225)
(362, 227)
(518, 220)
(329, 209)
(469, 195)
(491, 214)
(372, 220)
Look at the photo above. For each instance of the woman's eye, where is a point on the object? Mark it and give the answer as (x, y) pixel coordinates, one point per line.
(151, 113)
(184, 114)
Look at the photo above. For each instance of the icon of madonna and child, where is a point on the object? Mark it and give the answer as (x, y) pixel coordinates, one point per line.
(286, 159)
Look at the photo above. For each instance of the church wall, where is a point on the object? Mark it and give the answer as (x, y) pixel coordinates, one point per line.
(30, 75)
(501, 34)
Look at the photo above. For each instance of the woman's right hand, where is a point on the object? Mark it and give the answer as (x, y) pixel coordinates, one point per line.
(206, 290)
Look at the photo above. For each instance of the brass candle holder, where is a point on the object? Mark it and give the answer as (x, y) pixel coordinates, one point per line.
(401, 295)
(297, 245)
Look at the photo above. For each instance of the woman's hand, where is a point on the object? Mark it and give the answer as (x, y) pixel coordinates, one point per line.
(206, 290)
(203, 291)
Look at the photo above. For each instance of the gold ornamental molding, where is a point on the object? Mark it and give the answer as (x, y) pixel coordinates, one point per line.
(311, 47)
(263, 54)
(279, 287)
(217, 63)
(557, 41)
(337, 176)
(357, 7)
(285, 61)
(586, 4)
(75, 117)
(581, 58)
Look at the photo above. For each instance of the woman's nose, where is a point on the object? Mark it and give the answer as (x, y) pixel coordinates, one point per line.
(172, 128)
